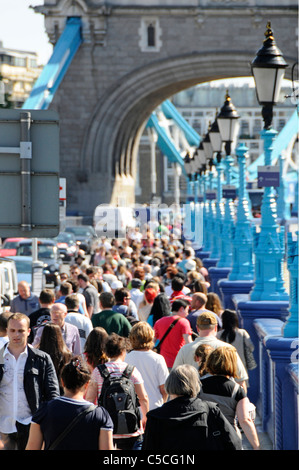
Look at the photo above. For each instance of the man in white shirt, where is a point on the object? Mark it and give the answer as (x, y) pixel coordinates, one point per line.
(75, 318)
(19, 398)
(207, 331)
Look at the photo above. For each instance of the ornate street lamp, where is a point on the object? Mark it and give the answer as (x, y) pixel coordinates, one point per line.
(216, 140)
(228, 123)
(187, 165)
(268, 69)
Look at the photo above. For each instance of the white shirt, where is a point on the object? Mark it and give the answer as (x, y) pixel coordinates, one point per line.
(83, 324)
(13, 402)
(154, 371)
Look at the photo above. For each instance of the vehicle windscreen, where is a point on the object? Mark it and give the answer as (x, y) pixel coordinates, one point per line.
(44, 251)
(23, 266)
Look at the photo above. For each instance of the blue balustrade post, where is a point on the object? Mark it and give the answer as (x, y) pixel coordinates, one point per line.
(290, 328)
(187, 226)
(210, 221)
(240, 279)
(294, 210)
(218, 214)
(283, 209)
(196, 188)
(206, 247)
(228, 222)
(242, 266)
(216, 272)
(283, 352)
(269, 251)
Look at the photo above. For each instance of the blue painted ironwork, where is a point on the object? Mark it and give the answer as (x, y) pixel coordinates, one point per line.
(218, 214)
(165, 144)
(227, 230)
(290, 328)
(281, 142)
(170, 112)
(52, 74)
(242, 265)
(269, 243)
(283, 209)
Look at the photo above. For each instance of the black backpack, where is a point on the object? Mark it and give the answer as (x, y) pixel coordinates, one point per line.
(119, 398)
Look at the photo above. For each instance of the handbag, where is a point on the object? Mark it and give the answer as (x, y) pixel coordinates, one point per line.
(249, 358)
(70, 426)
(157, 348)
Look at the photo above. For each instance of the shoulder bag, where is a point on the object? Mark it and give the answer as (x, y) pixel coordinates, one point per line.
(157, 348)
(71, 426)
(249, 358)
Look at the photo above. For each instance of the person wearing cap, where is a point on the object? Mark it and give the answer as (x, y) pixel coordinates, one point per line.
(187, 263)
(207, 334)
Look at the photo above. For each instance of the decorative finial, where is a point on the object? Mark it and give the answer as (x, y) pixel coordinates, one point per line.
(269, 32)
(227, 97)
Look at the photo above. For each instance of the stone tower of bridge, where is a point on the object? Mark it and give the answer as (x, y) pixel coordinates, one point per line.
(134, 55)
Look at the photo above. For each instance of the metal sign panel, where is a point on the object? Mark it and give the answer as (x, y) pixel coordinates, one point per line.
(268, 176)
(229, 191)
(211, 194)
(29, 173)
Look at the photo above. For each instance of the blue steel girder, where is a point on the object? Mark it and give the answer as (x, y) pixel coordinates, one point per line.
(165, 144)
(53, 72)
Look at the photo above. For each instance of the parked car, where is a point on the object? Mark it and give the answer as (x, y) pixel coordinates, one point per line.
(67, 246)
(24, 269)
(85, 235)
(9, 246)
(47, 253)
(8, 282)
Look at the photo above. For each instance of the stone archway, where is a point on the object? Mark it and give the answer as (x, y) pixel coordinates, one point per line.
(112, 136)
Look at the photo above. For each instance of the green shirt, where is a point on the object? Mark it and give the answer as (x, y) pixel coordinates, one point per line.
(112, 322)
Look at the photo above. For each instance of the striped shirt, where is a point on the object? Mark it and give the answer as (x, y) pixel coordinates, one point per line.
(116, 369)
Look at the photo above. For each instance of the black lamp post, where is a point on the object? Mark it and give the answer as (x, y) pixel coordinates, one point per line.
(215, 139)
(228, 123)
(268, 69)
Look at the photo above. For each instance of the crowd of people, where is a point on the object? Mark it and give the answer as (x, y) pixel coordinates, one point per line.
(139, 309)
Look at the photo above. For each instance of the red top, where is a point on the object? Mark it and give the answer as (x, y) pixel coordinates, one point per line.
(174, 340)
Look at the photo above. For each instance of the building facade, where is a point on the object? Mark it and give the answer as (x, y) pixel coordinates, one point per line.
(18, 72)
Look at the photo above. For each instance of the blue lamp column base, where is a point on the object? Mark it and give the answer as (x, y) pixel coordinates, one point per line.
(249, 311)
(283, 352)
(269, 243)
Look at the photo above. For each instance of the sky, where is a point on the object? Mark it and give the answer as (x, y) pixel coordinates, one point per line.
(21, 28)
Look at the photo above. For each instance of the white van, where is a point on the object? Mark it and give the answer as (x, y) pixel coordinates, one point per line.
(113, 222)
(8, 282)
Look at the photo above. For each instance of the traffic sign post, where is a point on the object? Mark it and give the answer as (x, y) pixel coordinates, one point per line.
(29, 173)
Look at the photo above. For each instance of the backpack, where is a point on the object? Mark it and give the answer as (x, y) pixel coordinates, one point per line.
(119, 398)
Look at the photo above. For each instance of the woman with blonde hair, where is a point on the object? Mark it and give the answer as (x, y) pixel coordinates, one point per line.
(151, 365)
(214, 303)
(222, 388)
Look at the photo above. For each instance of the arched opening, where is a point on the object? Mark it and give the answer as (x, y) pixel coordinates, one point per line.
(112, 137)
